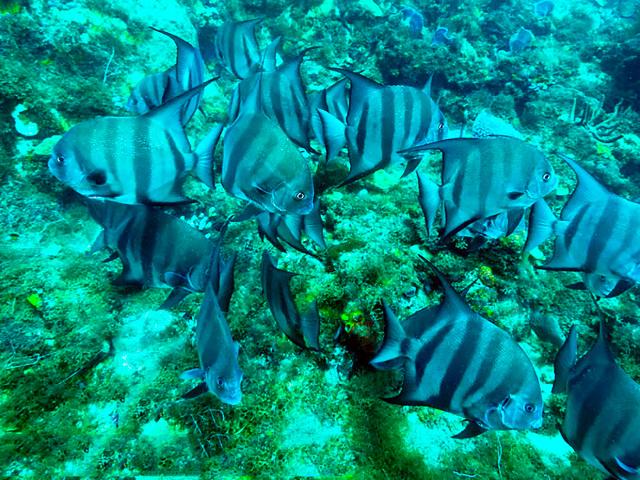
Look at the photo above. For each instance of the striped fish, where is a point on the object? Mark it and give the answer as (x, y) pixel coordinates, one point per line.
(143, 159)
(282, 98)
(288, 229)
(382, 121)
(597, 234)
(260, 164)
(455, 360)
(601, 421)
(219, 370)
(158, 250)
(484, 177)
(157, 89)
(301, 330)
(328, 114)
(236, 47)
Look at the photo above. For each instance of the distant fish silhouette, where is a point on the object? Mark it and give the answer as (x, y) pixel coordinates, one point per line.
(520, 41)
(543, 8)
(416, 21)
(441, 37)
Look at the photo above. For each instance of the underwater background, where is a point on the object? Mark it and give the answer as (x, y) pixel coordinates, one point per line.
(90, 371)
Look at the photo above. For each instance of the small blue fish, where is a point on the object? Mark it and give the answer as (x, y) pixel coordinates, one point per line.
(416, 21)
(520, 41)
(441, 37)
(543, 8)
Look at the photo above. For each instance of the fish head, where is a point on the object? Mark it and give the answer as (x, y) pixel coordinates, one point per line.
(69, 165)
(294, 197)
(225, 385)
(438, 128)
(518, 411)
(607, 285)
(543, 179)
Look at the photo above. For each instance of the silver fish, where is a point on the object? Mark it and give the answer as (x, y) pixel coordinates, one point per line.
(157, 89)
(601, 421)
(301, 330)
(158, 250)
(456, 361)
(381, 121)
(143, 159)
(218, 352)
(282, 98)
(260, 164)
(597, 235)
(483, 177)
(236, 47)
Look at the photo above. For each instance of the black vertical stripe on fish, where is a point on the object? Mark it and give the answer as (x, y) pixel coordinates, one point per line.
(388, 112)
(361, 136)
(598, 243)
(425, 354)
(454, 373)
(574, 226)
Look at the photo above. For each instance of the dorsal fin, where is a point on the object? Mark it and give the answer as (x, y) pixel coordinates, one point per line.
(452, 299)
(169, 113)
(588, 190)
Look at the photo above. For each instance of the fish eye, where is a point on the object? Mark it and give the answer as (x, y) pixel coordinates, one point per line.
(441, 126)
(60, 160)
(300, 196)
(546, 177)
(529, 408)
(220, 381)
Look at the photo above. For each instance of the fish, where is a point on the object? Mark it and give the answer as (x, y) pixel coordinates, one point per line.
(520, 41)
(277, 228)
(135, 160)
(236, 47)
(456, 361)
(543, 8)
(415, 20)
(158, 250)
(301, 330)
(282, 98)
(546, 328)
(219, 370)
(601, 421)
(483, 177)
(441, 37)
(262, 165)
(187, 73)
(381, 121)
(565, 359)
(152, 91)
(597, 235)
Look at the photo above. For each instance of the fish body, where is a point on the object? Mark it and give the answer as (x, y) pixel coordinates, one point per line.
(483, 178)
(143, 159)
(156, 89)
(456, 361)
(157, 250)
(282, 99)
(301, 330)
(597, 235)
(261, 164)
(236, 47)
(218, 353)
(601, 420)
(383, 120)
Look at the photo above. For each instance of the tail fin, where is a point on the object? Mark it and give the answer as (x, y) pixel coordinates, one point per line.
(390, 355)
(204, 156)
(542, 224)
(564, 362)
